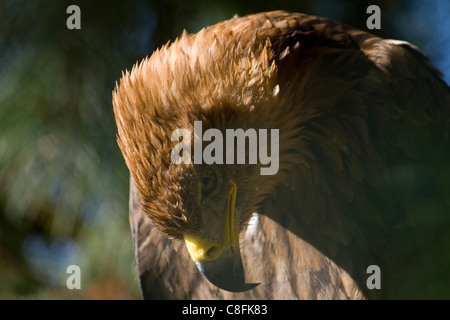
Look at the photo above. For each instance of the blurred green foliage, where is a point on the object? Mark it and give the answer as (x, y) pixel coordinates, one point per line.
(63, 182)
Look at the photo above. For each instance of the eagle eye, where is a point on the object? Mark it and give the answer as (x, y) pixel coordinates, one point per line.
(208, 182)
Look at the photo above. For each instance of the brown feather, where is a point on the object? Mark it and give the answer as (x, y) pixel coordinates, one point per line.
(364, 158)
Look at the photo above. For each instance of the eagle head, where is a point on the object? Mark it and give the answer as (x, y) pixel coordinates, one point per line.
(223, 83)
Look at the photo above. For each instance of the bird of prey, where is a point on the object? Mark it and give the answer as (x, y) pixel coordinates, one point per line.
(359, 205)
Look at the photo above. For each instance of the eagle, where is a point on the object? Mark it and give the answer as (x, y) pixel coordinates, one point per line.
(358, 206)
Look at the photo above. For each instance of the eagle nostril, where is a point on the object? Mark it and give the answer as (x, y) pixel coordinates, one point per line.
(213, 252)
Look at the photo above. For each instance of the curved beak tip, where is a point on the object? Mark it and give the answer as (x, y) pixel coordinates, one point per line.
(229, 281)
(226, 272)
(244, 287)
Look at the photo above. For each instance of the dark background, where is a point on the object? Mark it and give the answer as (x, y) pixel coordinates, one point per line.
(63, 182)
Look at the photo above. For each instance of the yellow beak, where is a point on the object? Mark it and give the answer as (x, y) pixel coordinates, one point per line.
(221, 263)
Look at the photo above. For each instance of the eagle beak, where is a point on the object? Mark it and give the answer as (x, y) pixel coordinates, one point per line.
(221, 263)
(226, 272)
